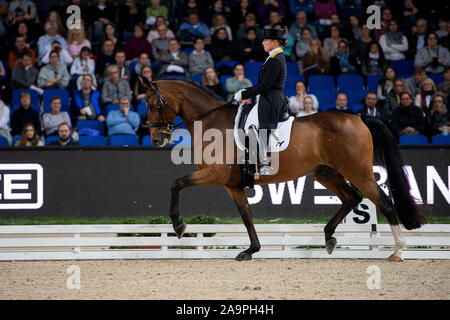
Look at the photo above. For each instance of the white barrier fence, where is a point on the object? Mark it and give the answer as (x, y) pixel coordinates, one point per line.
(80, 242)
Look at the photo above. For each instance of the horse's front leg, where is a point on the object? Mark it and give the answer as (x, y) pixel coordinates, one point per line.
(240, 199)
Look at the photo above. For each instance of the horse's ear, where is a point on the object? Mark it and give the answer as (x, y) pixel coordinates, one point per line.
(145, 82)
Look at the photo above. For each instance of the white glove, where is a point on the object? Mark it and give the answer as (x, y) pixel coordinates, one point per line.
(238, 95)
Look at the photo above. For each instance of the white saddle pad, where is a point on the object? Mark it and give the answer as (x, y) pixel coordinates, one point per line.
(279, 138)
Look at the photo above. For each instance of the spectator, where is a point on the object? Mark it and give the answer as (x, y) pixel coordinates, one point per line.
(160, 44)
(249, 22)
(343, 62)
(23, 31)
(407, 119)
(53, 75)
(410, 12)
(360, 46)
(217, 7)
(87, 103)
(22, 11)
(386, 83)
(444, 87)
(100, 14)
(109, 33)
(45, 42)
(266, 7)
(374, 61)
(438, 119)
(394, 43)
(51, 121)
(386, 17)
(222, 48)
(24, 114)
(211, 81)
(64, 56)
(199, 59)
(296, 102)
(123, 121)
(124, 68)
(53, 16)
(393, 98)
(29, 137)
(316, 60)
(84, 64)
(25, 75)
(139, 89)
(194, 28)
(106, 57)
(287, 49)
(237, 82)
(239, 13)
(341, 104)
(308, 107)
(137, 44)
(446, 40)
(154, 33)
(64, 134)
(305, 6)
(15, 55)
(299, 24)
(417, 40)
(433, 57)
(303, 44)
(76, 40)
(424, 99)
(188, 7)
(219, 21)
(250, 48)
(144, 60)
(330, 44)
(442, 31)
(274, 18)
(128, 14)
(373, 109)
(412, 84)
(174, 61)
(115, 87)
(5, 130)
(324, 9)
(353, 31)
(155, 10)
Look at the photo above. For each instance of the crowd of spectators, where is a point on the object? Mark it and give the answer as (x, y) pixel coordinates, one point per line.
(98, 64)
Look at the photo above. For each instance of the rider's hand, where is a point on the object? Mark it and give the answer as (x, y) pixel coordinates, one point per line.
(238, 95)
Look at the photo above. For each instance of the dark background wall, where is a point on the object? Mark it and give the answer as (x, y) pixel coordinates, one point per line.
(127, 182)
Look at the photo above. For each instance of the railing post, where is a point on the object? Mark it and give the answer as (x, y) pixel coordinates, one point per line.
(76, 249)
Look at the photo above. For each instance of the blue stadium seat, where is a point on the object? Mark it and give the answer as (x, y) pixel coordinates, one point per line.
(91, 124)
(197, 78)
(437, 78)
(289, 92)
(325, 97)
(325, 107)
(413, 139)
(4, 142)
(223, 80)
(253, 67)
(291, 80)
(181, 137)
(15, 139)
(188, 50)
(356, 107)
(403, 66)
(372, 82)
(147, 141)
(61, 93)
(252, 77)
(34, 98)
(167, 76)
(123, 140)
(317, 82)
(177, 121)
(142, 109)
(86, 141)
(51, 139)
(292, 68)
(111, 107)
(350, 82)
(230, 64)
(355, 96)
(440, 139)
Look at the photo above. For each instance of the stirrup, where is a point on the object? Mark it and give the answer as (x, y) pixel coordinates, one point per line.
(265, 170)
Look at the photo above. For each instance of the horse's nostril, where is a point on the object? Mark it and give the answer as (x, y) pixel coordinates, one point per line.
(156, 141)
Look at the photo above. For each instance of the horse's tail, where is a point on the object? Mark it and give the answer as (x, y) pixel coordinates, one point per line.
(387, 153)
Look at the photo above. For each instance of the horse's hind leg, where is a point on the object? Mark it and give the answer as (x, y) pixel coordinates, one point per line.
(240, 199)
(335, 182)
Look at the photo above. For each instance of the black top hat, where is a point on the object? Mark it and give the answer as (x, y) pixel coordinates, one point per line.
(277, 34)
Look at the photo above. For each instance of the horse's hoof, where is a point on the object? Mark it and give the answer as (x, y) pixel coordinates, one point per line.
(330, 245)
(395, 258)
(180, 228)
(243, 256)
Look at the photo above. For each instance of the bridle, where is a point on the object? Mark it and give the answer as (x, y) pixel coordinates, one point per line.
(168, 127)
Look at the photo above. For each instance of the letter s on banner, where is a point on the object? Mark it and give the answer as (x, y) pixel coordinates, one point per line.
(74, 21)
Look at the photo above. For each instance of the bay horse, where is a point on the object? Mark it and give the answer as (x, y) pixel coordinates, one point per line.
(333, 147)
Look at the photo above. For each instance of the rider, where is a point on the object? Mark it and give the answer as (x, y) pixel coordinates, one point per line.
(271, 101)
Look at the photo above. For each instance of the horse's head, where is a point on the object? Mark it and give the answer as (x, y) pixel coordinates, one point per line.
(162, 109)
